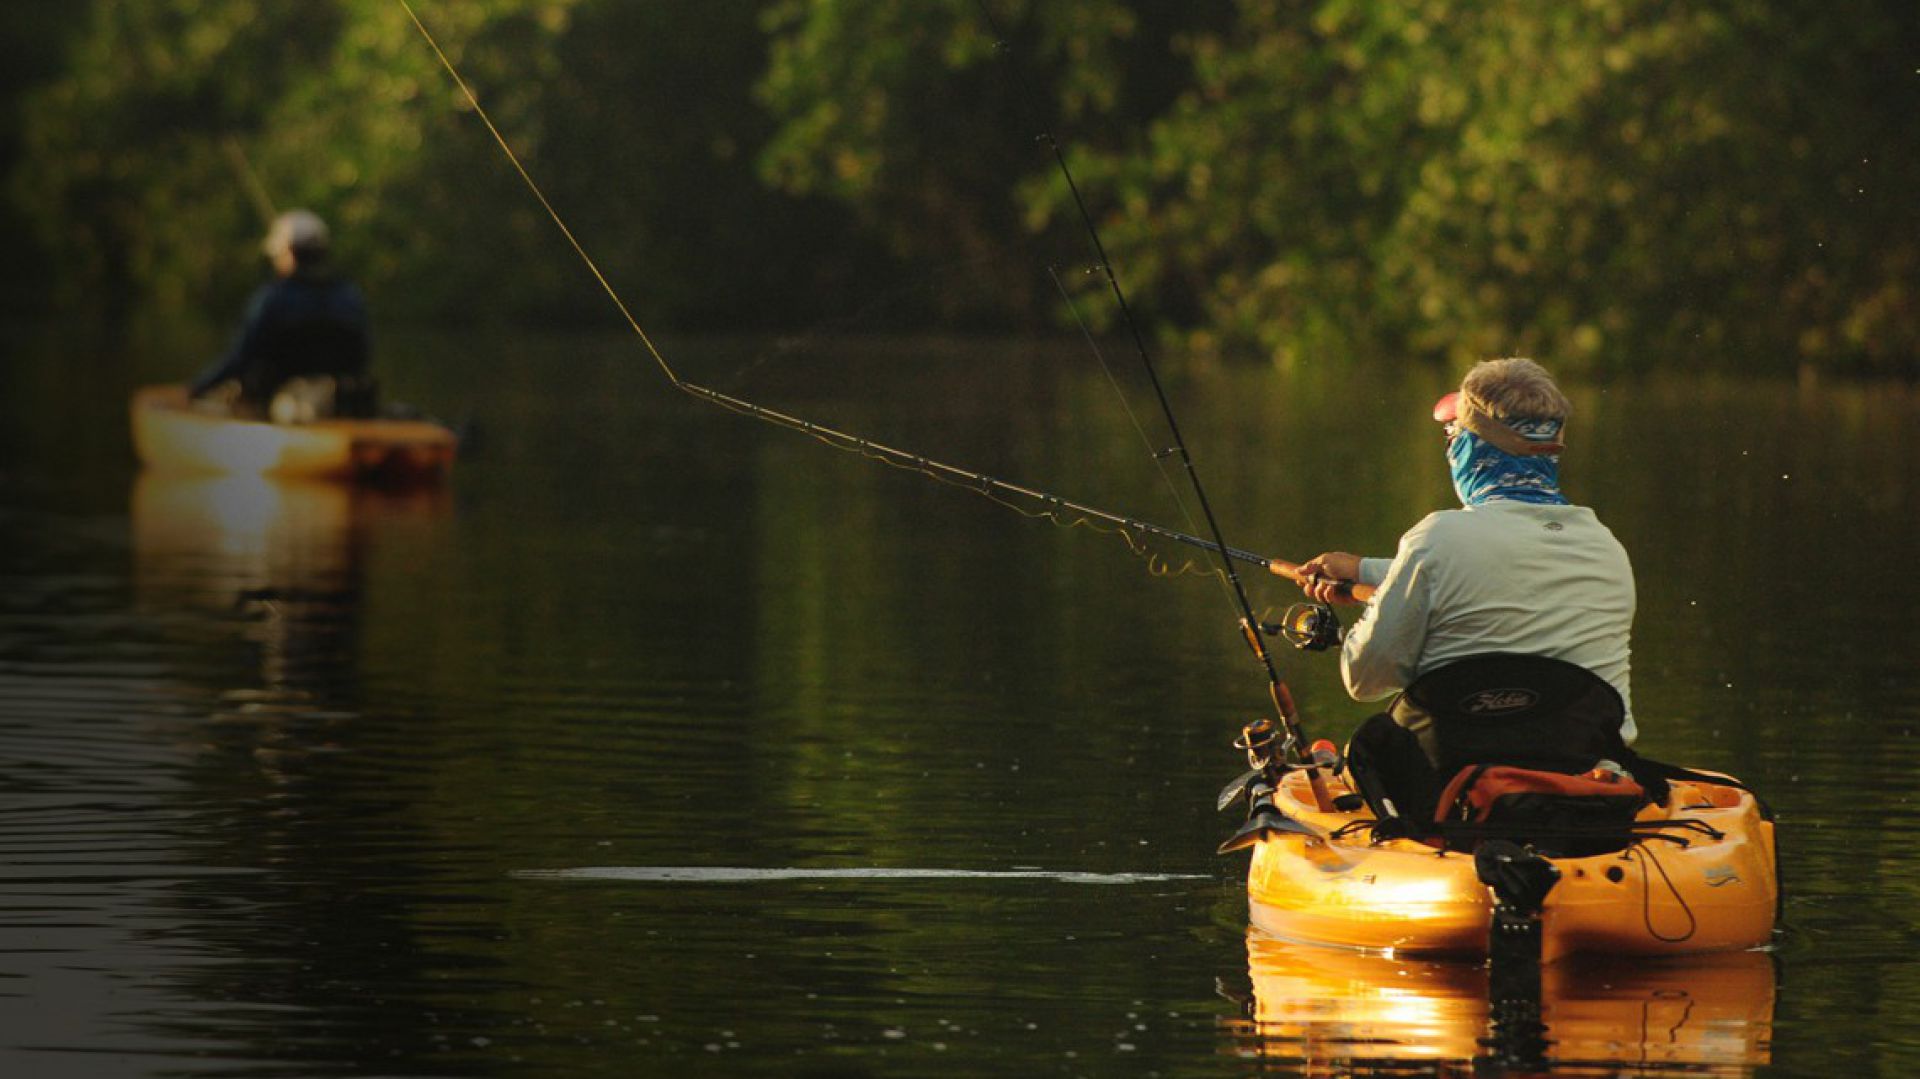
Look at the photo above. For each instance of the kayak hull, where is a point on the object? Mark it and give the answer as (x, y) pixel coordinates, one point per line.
(170, 435)
(1656, 897)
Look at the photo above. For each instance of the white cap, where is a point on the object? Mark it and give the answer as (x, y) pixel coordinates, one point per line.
(296, 230)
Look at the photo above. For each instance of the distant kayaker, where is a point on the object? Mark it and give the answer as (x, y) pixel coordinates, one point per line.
(1516, 570)
(301, 352)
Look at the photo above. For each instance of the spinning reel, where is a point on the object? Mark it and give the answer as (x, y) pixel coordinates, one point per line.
(1310, 627)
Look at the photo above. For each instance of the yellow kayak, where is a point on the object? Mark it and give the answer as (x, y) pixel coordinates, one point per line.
(170, 435)
(1701, 878)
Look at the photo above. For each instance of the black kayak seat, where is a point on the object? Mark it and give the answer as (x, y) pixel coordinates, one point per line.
(1499, 708)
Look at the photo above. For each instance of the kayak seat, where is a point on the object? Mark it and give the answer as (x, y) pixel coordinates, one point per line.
(1527, 712)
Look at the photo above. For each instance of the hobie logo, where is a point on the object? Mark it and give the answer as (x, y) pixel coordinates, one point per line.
(1494, 702)
(1721, 875)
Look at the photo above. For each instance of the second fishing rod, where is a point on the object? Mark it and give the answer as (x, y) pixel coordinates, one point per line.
(1294, 744)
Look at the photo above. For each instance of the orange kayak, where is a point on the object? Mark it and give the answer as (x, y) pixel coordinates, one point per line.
(1711, 887)
(170, 435)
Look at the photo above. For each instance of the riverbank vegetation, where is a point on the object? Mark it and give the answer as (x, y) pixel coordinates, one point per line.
(1618, 184)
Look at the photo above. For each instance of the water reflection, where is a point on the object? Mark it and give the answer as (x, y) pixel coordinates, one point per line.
(259, 585)
(1323, 1012)
(287, 557)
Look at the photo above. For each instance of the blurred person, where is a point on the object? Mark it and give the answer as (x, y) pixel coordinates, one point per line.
(302, 350)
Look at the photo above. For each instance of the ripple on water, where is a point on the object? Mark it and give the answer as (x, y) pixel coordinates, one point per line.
(746, 875)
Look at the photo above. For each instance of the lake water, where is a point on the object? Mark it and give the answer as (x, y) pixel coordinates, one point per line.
(661, 741)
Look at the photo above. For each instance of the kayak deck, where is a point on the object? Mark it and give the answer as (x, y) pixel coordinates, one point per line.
(1700, 891)
(169, 434)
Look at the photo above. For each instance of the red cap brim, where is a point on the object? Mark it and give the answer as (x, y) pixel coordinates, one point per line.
(1447, 409)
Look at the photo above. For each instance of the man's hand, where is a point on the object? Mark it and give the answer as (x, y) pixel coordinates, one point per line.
(1322, 577)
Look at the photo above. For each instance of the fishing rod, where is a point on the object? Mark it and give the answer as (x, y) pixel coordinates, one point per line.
(986, 485)
(969, 478)
(980, 482)
(901, 457)
(249, 179)
(1283, 702)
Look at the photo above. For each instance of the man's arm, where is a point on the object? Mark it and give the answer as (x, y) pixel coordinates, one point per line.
(1336, 576)
(238, 353)
(1382, 650)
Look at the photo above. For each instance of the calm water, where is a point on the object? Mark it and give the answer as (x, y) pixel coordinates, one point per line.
(660, 742)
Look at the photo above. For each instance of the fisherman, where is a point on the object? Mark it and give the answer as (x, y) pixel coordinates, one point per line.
(1517, 570)
(301, 353)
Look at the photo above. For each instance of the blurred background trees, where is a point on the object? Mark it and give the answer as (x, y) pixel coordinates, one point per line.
(1615, 184)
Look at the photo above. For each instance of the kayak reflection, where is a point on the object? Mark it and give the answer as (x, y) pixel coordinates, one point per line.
(274, 566)
(217, 541)
(1329, 1011)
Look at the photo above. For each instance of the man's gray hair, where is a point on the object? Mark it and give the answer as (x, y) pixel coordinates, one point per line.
(300, 233)
(1513, 389)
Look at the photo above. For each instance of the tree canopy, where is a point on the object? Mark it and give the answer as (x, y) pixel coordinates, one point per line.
(1616, 184)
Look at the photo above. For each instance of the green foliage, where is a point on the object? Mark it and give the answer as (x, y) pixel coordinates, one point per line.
(923, 114)
(628, 115)
(1619, 184)
(32, 48)
(1610, 183)
(140, 157)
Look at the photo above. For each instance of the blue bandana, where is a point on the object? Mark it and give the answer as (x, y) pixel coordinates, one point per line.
(1482, 472)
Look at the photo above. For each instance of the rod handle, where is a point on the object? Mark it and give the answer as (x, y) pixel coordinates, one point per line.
(1352, 591)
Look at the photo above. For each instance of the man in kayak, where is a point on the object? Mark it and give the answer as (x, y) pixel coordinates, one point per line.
(1516, 570)
(301, 352)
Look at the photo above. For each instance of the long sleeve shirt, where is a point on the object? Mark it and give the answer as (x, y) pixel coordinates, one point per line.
(1541, 580)
(299, 325)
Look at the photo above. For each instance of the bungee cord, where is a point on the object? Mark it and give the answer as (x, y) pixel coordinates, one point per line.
(1645, 857)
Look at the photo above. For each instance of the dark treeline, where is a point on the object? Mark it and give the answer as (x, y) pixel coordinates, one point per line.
(1617, 184)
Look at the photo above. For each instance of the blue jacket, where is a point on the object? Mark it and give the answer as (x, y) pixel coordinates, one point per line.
(305, 324)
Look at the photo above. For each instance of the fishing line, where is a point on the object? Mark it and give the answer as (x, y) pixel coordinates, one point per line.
(931, 289)
(1282, 696)
(861, 316)
(1159, 458)
(538, 194)
(1063, 512)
